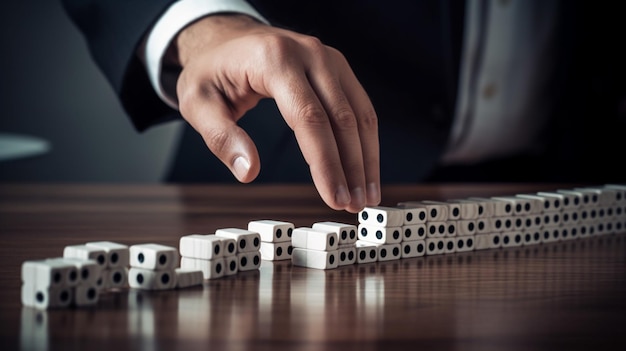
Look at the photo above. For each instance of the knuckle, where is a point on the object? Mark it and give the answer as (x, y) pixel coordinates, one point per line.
(311, 115)
(368, 120)
(218, 140)
(344, 118)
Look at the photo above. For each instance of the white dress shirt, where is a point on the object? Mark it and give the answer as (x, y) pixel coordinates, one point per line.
(500, 107)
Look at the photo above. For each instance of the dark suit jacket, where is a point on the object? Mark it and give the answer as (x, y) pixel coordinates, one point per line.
(406, 54)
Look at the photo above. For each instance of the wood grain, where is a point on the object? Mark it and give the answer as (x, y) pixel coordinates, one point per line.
(566, 295)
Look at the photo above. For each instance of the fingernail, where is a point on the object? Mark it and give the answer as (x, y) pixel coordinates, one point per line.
(358, 197)
(373, 194)
(342, 196)
(241, 166)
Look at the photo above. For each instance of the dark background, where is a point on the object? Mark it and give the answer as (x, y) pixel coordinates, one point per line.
(50, 89)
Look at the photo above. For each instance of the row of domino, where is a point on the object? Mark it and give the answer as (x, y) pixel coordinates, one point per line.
(418, 228)
(410, 229)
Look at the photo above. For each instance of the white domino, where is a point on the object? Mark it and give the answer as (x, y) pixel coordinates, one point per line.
(413, 214)
(498, 208)
(484, 207)
(435, 246)
(379, 235)
(543, 203)
(512, 239)
(468, 209)
(465, 243)
(309, 238)
(115, 278)
(466, 227)
(413, 248)
(43, 297)
(118, 254)
(347, 254)
(211, 269)
(314, 258)
(564, 201)
(276, 251)
(188, 277)
(147, 279)
(435, 211)
(272, 231)
(436, 229)
(205, 247)
(366, 252)
(346, 233)
(85, 294)
(231, 265)
(153, 256)
(86, 253)
(247, 240)
(413, 232)
(49, 273)
(389, 252)
(453, 209)
(248, 261)
(487, 241)
(382, 216)
(89, 271)
(229, 246)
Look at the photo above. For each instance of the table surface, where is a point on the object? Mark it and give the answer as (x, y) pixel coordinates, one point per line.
(564, 295)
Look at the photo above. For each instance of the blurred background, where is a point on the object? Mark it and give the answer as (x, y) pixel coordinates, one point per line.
(60, 121)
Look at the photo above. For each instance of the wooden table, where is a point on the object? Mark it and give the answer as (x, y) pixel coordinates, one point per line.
(561, 296)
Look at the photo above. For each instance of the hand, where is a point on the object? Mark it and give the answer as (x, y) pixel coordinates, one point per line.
(230, 62)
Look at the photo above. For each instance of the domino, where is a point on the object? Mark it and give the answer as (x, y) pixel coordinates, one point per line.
(449, 245)
(272, 231)
(380, 235)
(312, 239)
(44, 297)
(413, 232)
(512, 239)
(347, 254)
(231, 265)
(205, 247)
(413, 248)
(186, 277)
(314, 258)
(466, 227)
(501, 224)
(153, 256)
(413, 214)
(85, 295)
(436, 229)
(520, 206)
(483, 226)
(552, 219)
(532, 237)
(484, 207)
(346, 233)
(115, 278)
(581, 198)
(389, 252)
(89, 271)
(551, 235)
(467, 209)
(453, 209)
(435, 211)
(147, 279)
(276, 251)
(118, 254)
(366, 252)
(86, 253)
(435, 246)
(563, 200)
(599, 196)
(49, 273)
(229, 246)
(249, 261)
(487, 241)
(464, 243)
(620, 192)
(247, 240)
(543, 202)
(211, 269)
(497, 208)
(382, 216)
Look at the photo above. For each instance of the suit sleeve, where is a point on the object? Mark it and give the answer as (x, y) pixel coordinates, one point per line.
(113, 29)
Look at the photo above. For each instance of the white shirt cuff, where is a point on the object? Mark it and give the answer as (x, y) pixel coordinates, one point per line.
(177, 17)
